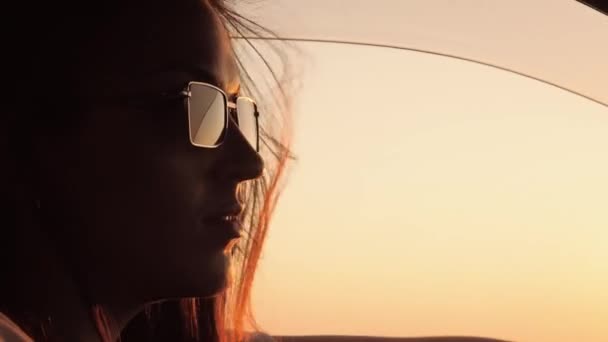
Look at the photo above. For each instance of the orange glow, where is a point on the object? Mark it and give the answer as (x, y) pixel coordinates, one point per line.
(438, 197)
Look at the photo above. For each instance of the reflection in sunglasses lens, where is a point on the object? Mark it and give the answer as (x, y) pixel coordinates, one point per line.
(207, 115)
(245, 108)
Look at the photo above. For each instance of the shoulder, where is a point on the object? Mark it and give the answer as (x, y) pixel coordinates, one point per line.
(10, 332)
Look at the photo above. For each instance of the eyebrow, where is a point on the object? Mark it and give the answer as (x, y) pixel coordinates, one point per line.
(202, 74)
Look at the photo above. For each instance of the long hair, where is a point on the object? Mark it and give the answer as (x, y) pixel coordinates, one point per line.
(225, 317)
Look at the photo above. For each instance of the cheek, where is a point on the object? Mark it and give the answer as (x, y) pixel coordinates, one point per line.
(131, 199)
(142, 184)
(134, 174)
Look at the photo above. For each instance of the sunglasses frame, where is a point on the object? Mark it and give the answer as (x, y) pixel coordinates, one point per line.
(230, 107)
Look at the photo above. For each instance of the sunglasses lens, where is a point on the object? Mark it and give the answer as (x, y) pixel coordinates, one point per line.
(247, 120)
(207, 115)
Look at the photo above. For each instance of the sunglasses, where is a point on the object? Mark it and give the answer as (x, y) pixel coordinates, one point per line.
(210, 111)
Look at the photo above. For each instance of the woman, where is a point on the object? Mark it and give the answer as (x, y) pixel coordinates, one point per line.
(132, 159)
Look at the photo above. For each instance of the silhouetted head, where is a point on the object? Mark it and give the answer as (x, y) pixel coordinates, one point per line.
(125, 151)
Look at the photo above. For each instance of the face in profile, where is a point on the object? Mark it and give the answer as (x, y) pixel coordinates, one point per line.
(139, 210)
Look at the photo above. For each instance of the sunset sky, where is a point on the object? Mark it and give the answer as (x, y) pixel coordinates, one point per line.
(434, 196)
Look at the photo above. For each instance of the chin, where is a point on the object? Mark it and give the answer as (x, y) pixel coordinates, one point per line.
(207, 280)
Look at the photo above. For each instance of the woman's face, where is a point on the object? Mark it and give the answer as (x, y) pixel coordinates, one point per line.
(126, 186)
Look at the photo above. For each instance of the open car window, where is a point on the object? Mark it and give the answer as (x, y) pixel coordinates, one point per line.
(434, 196)
(450, 175)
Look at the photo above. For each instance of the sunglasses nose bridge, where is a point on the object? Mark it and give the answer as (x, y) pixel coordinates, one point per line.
(231, 110)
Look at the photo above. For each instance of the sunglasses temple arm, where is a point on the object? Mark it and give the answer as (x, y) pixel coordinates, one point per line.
(256, 114)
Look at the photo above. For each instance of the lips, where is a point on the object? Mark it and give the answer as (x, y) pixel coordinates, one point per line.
(228, 213)
(225, 224)
(222, 228)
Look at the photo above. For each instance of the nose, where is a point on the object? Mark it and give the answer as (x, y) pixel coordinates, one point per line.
(239, 160)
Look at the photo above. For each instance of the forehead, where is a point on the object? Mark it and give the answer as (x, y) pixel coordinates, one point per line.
(184, 39)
